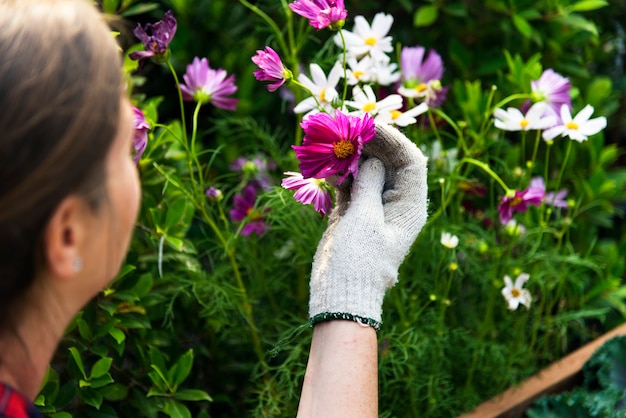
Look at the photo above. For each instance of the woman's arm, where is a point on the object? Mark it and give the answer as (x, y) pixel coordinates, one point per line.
(341, 378)
(370, 230)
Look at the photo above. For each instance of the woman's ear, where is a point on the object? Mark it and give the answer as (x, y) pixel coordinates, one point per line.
(63, 238)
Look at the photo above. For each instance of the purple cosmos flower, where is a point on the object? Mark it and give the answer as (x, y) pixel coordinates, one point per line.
(244, 209)
(321, 13)
(204, 84)
(214, 194)
(422, 78)
(255, 170)
(140, 137)
(519, 202)
(556, 199)
(553, 89)
(271, 68)
(333, 145)
(311, 190)
(156, 37)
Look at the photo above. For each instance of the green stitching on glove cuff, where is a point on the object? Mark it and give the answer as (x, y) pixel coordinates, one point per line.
(331, 316)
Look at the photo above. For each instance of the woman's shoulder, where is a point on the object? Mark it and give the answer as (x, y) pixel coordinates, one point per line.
(15, 405)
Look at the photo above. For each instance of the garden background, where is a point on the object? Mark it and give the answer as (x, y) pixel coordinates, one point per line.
(205, 320)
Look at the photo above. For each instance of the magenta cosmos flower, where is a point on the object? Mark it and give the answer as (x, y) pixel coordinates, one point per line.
(140, 136)
(311, 190)
(271, 68)
(244, 209)
(554, 89)
(155, 37)
(204, 84)
(421, 78)
(322, 13)
(333, 145)
(519, 202)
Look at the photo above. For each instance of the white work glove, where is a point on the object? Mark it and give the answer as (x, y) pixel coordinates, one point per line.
(370, 231)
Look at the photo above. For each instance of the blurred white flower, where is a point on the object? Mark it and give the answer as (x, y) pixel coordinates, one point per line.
(514, 293)
(448, 240)
(513, 119)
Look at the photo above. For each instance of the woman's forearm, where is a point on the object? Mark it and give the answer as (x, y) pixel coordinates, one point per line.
(341, 378)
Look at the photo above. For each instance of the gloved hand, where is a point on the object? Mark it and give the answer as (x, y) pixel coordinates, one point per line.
(370, 231)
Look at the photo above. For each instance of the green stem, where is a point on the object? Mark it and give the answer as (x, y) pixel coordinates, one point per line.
(194, 154)
(308, 90)
(511, 98)
(535, 149)
(270, 22)
(180, 99)
(488, 112)
(489, 171)
(345, 71)
(564, 164)
(182, 122)
(456, 128)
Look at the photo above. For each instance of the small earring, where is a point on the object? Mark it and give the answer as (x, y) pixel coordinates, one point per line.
(78, 264)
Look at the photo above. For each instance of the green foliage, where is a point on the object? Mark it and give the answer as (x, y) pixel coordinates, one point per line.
(602, 393)
(204, 321)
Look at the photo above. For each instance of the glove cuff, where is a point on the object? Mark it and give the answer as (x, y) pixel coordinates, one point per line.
(333, 316)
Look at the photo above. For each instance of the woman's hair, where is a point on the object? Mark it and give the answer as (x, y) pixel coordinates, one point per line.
(60, 88)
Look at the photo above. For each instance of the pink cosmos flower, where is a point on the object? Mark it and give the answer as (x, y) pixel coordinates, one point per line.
(271, 68)
(244, 209)
(311, 190)
(554, 89)
(155, 37)
(140, 136)
(204, 84)
(519, 202)
(422, 78)
(321, 13)
(333, 145)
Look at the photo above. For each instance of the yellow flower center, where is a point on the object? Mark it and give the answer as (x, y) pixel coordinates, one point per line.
(357, 74)
(369, 107)
(516, 201)
(322, 95)
(253, 214)
(524, 123)
(421, 87)
(515, 292)
(343, 149)
(371, 41)
(395, 114)
(572, 125)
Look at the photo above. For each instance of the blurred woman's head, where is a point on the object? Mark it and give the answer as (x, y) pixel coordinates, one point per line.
(68, 186)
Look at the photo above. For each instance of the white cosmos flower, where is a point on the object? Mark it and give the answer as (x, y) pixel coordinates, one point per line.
(514, 120)
(360, 71)
(578, 128)
(448, 240)
(403, 119)
(366, 39)
(514, 293)
(364, 101)
(385, 73)
(322, 87)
